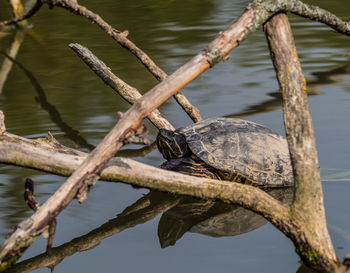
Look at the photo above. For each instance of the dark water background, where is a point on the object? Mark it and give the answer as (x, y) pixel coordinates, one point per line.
(171, 32)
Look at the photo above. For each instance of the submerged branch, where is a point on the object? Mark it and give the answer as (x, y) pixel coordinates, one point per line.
(12, 53)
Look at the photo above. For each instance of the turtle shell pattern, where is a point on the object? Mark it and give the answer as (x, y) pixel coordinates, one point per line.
(242, 147)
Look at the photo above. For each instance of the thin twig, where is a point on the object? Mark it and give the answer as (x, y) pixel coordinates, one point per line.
(34, 205)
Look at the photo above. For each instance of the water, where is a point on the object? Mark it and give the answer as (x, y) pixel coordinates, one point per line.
(171, 32)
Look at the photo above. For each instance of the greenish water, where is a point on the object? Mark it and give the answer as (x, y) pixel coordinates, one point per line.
(78, 109)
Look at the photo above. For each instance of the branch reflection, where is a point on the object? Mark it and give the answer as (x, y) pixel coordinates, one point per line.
(54, 114)
(180, 215)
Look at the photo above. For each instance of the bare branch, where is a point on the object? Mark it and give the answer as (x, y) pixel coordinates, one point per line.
(129, 93)
(62, 161)
(318, 14)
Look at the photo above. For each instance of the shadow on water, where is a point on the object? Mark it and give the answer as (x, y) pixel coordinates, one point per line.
(54, 114)
(181, 214)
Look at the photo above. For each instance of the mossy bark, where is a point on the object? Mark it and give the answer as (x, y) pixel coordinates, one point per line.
(307, 209)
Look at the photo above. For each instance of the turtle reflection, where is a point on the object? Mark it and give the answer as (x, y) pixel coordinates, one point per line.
(211, 218)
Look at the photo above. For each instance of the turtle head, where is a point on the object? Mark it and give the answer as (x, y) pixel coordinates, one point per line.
(172, 144)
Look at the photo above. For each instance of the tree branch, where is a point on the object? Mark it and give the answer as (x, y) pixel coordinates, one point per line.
(121, 38)
(318, 14)
(58, 159)
(127, 92)
(308, 197)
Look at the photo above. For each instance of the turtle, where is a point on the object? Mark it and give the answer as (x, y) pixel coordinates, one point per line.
(228, 149)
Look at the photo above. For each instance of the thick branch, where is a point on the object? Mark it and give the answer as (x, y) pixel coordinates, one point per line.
(61, 160)
(130, 94)
(307, 207)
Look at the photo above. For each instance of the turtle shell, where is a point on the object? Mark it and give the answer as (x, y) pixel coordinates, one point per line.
(236, 146)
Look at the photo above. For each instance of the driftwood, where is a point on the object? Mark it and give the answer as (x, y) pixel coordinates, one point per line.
(301, 141)
(312, 242)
